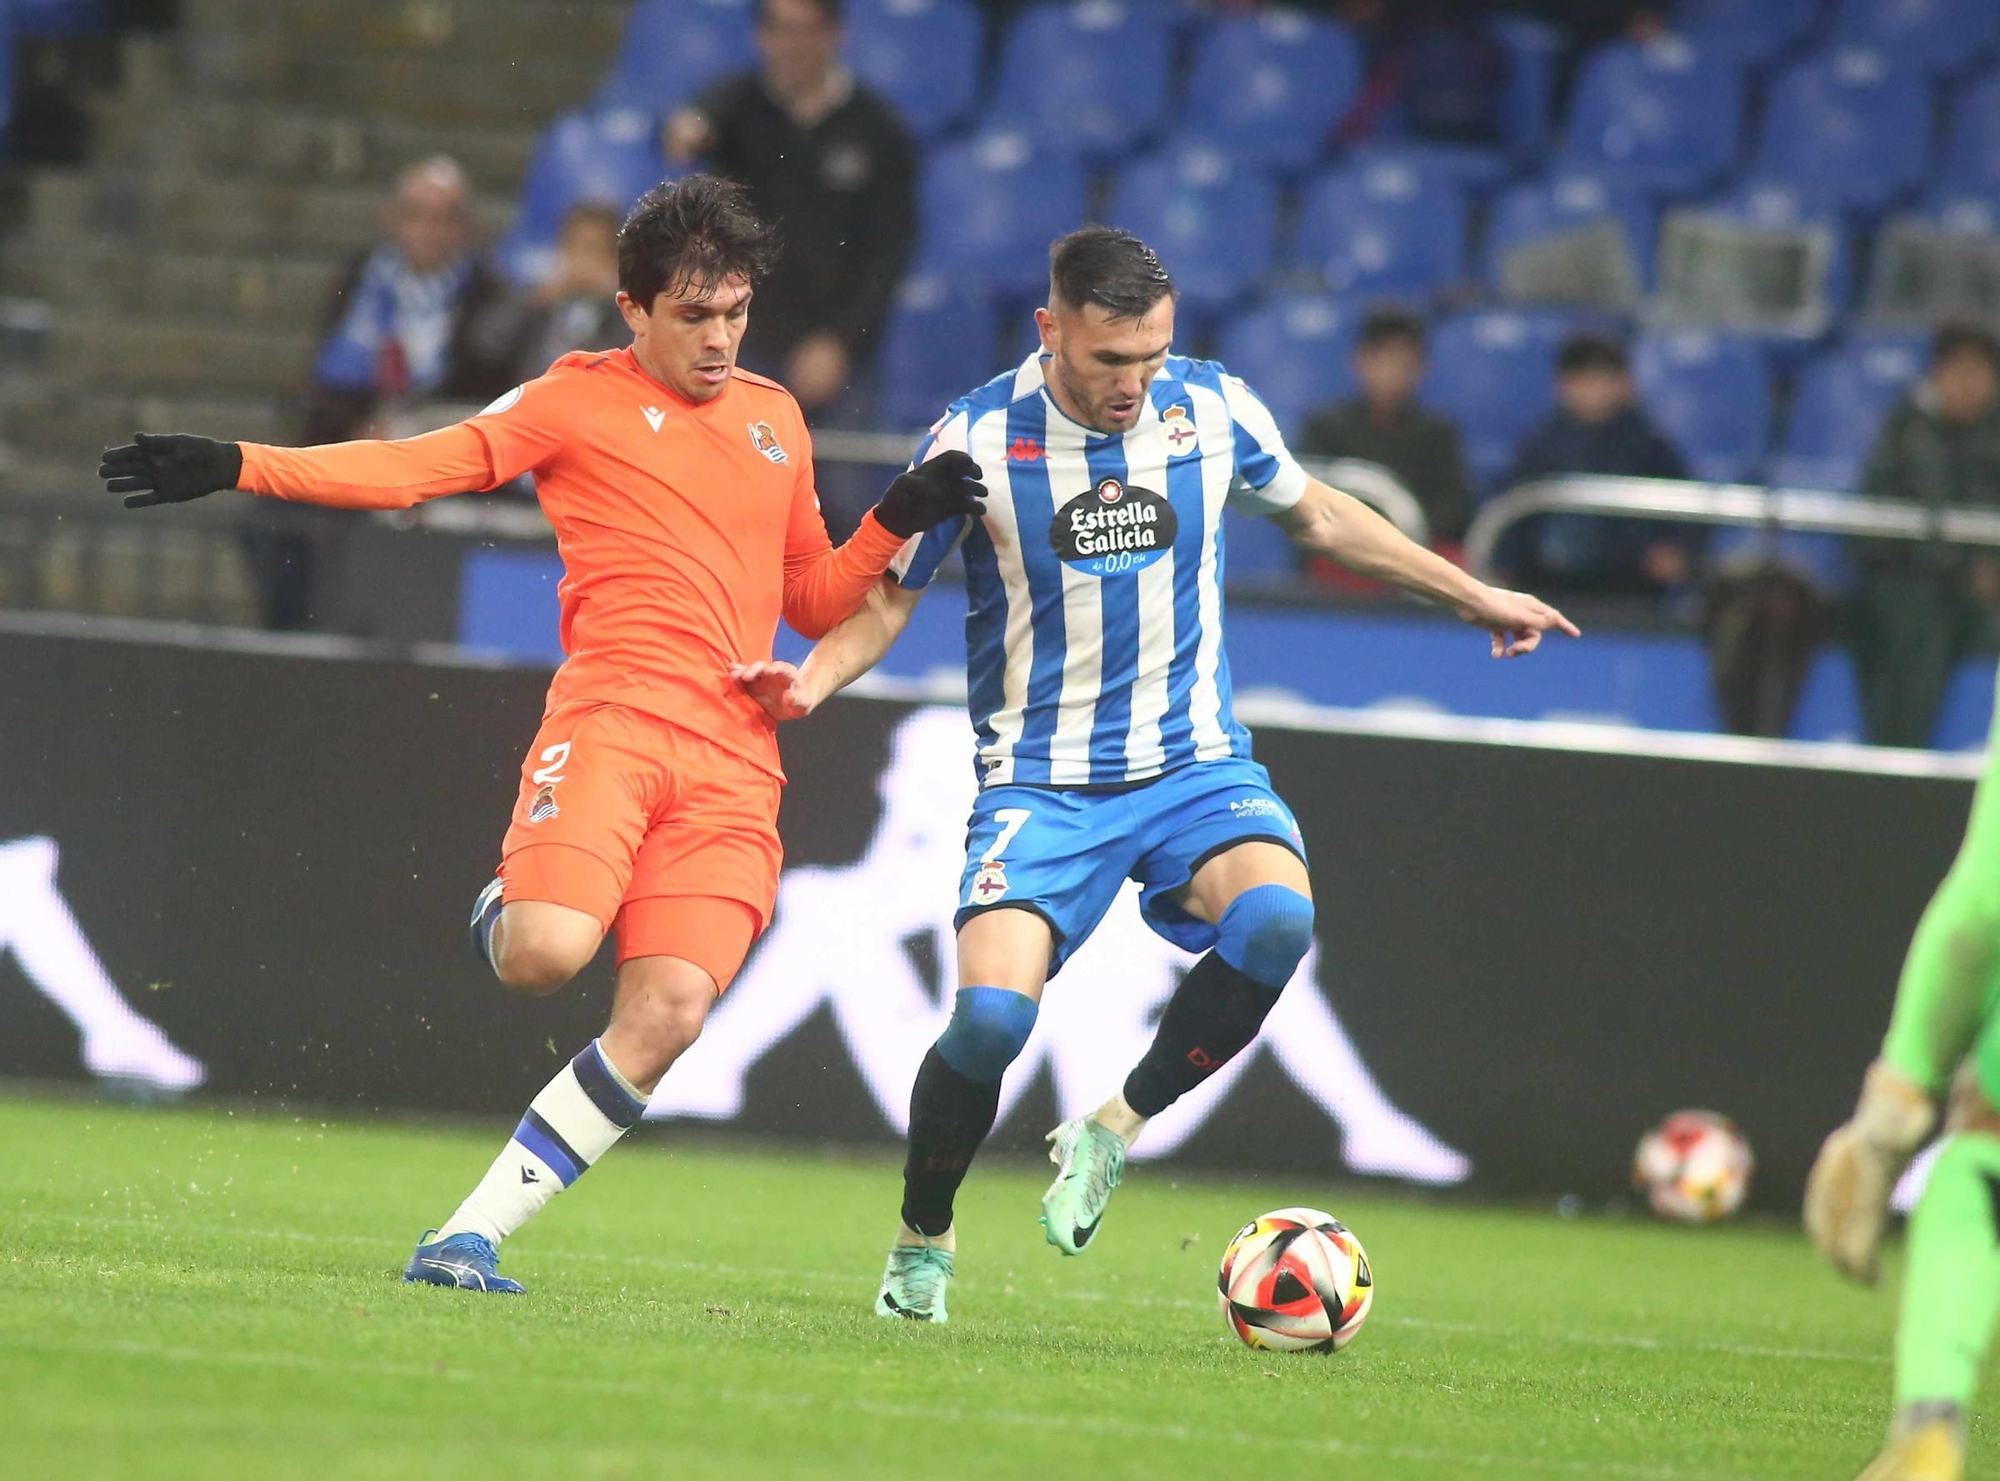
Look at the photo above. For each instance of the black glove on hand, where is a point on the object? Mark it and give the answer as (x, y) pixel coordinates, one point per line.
(156, 469)
(947, 487)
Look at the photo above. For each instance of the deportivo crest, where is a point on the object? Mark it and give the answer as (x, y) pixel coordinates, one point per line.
(1180, 430)
(1113, 528)
(989, 884)
(544, 806)
(766, 442)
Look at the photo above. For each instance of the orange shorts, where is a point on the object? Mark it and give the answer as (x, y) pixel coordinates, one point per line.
(652, 829)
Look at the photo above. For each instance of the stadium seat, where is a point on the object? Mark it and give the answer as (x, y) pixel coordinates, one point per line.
(1938, 35)
(1087, 78)
(607, 154)
(1474, 168)
(1212, 220)
(671, 49)
(1382, 228)
(1270, 86)
(940, 342)
(1971, 162)
(990, 207)
(1256, 552)
(1571, 238)
(1937, 262)
(6, 76)
(40, 18)
(1493, 372)
(922, 55)
(1534, 50)
(1847, 127)
(1664, 116)
(1764, 259)
(1748, 33)
(1838, 406)
(1711, 395)
(1293, 352)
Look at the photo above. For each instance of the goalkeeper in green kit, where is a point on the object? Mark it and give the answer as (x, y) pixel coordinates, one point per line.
(1944, 1036)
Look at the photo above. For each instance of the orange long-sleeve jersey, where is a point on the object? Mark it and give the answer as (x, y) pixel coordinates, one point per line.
(685, 529)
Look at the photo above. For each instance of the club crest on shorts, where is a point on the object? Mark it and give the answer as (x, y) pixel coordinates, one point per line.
(989, 884)
(766, 442)
(1180, 430)
(544, 806)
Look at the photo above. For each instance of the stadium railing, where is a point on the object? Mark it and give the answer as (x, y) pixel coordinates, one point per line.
(1813, 511)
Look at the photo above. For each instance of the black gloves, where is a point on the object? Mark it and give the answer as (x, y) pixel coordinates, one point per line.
(156, 469)
(947, 487)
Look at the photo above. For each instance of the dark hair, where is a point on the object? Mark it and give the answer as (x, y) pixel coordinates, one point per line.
(1110, 268)
(685, 236)
(830, 10)
(1581, 352)
(1955, 339)
(1385, 326)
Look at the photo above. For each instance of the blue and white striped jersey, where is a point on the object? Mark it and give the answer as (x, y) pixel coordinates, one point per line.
(1094, 583)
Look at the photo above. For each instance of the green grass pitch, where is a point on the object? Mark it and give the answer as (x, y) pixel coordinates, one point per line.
(210, 1293)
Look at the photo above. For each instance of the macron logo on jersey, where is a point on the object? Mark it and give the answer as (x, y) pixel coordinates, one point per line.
(654, 416)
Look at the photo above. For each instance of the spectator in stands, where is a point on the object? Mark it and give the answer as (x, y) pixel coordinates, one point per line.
(1920, 605)
(828, 159)
(403, 321)
(1386, 425)
(575, 308)
(1598, 426)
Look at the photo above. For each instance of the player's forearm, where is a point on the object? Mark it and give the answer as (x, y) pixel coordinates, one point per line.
(370, 475)
(856, 645)
(827, 588)
(1348, 532)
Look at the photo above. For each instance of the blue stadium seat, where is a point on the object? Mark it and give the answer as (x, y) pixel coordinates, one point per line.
(1748, 33)
(1711, 395)
(1212, 220)
(57, 17)
(1664, 117)
(1848, 127)
(1256, 552)
(1838, 406)
(1493, 372)
(1939, 35)
(940, 342)
(990, 207)
(673, 48)
(1382, 228)
(1565, 202)
(1086, 78)
(607, 154)
(1971, 160)
(1534, 50)
(1271, 86)
(1474, 168)
(6, 76)
(1807, 294)
(922, 55)
(1293, 352)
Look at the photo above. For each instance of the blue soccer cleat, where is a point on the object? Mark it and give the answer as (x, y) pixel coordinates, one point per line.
(485, 911)
(467, 1261)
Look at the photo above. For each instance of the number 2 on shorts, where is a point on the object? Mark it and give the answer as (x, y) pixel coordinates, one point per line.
(1010, 820)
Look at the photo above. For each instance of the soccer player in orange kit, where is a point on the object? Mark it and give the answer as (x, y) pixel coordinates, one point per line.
(681, 492)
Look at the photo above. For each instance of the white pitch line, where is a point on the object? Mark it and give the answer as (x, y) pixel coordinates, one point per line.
(848, 1278)
(1262, 1442)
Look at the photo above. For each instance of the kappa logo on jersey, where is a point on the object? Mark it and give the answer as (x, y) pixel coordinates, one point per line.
(654, 416)
(1025, 450)
(1114, 528)
(766, 442)
(1180, 431)
(544, 806)
(990, 883)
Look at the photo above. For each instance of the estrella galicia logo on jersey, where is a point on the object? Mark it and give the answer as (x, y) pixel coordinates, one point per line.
(544, 806)
(1114, 528)
(766, 442)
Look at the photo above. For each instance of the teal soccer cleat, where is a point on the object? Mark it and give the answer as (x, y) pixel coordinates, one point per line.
(913, 1284)
(1089, 1162)
(467, 1261)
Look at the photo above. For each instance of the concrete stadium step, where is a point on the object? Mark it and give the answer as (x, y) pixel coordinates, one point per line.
(68, 426)
(239, 291)
(174, 356)
(542, 30)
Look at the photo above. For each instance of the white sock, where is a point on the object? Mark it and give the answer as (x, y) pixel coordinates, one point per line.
(574, 1121)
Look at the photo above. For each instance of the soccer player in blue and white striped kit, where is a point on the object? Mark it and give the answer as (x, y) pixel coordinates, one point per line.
(1100, 700)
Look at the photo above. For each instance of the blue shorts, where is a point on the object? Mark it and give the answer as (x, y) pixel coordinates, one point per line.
(1066, 854)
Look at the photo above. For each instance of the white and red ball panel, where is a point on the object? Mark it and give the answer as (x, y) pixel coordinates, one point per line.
(1295, 1280)
(1694, 1167)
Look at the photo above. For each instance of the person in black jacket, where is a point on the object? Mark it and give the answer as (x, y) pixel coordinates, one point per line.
(828, 161)
(1598, 426)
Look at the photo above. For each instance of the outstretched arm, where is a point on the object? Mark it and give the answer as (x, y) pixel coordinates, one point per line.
(852, 648)
(1342, 528)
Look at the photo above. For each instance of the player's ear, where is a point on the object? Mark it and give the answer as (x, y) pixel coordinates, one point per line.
(635, 316)
(1051, 333)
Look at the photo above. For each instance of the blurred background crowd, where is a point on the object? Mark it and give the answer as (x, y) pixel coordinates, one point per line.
(1480, 246)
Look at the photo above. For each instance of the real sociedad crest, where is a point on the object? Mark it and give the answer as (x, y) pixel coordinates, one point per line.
(766, 442)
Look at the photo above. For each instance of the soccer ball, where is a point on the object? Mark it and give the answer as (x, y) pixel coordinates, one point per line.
(1694, 1166)
(1295, 1281)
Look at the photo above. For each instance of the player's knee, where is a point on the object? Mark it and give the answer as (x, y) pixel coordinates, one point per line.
(537, 963)
(989, 1028)
(1265, 933)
